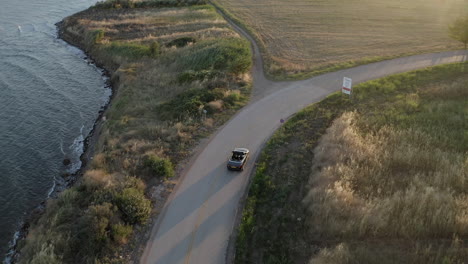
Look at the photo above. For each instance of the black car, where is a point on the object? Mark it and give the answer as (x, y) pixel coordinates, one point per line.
(238, 159)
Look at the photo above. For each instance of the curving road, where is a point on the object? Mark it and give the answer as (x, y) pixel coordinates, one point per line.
(198, 218)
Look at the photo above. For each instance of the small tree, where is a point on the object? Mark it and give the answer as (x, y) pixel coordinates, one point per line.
(459, 30)
(154, 49)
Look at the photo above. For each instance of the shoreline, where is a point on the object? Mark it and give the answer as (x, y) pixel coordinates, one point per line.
(154, 187)
(67, 180)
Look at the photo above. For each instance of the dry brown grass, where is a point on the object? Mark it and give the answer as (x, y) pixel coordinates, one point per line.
(384, 185)
(305, 35)
(166, 24)
(392, 185)
(215, 106)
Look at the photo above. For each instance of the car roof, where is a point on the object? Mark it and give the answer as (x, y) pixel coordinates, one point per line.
(241, 150)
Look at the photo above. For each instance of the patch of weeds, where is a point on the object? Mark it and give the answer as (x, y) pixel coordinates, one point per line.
(181, 42)
(190, 76)
(128, 50)
(94, 36)
(191, 103)
(232, 56)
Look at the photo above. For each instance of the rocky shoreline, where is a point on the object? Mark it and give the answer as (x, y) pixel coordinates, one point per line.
(66, 180)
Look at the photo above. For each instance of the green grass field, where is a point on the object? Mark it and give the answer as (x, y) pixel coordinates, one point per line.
(300, 38)
(167, 65)
(382, 178)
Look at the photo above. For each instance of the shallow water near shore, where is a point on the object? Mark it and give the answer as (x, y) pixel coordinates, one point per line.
(50, 97)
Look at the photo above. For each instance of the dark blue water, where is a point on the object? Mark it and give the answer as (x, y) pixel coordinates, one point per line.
(49, 98)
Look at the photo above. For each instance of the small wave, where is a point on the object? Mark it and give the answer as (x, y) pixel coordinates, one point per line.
(52, 189)
(26, 28)
(77, 148)
(8, 258)
(59, 184)
(21, 64)
(61, 148)
(24, 55)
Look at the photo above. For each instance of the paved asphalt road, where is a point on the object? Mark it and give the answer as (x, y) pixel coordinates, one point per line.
(198, 218)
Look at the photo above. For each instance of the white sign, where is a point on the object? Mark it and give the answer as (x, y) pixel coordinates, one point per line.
(347, 85)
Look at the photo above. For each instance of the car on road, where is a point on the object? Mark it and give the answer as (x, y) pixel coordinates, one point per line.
(237, 159)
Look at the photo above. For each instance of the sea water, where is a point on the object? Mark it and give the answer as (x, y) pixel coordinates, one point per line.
(50, 96)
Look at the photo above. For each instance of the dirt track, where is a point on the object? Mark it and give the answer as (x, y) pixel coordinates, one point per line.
(198, 219)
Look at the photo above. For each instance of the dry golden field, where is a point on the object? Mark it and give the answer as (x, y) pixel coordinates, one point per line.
(300, 36)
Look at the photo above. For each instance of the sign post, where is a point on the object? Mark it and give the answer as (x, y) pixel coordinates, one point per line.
(347, 86)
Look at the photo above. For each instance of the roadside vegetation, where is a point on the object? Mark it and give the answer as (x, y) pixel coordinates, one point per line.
(178, 72)
(381, 178)
(458, 30)
(302, 38)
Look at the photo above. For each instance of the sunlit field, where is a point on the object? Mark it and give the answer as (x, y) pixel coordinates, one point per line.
(304, 36)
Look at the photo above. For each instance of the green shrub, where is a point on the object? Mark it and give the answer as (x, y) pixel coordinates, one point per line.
(120, 233)
(133, 204)
(159, 166)
(132, 182)
(181, 42)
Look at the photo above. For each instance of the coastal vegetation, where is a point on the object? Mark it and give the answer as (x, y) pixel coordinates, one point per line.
(178, 72)
(381, 177)
(301, 38)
